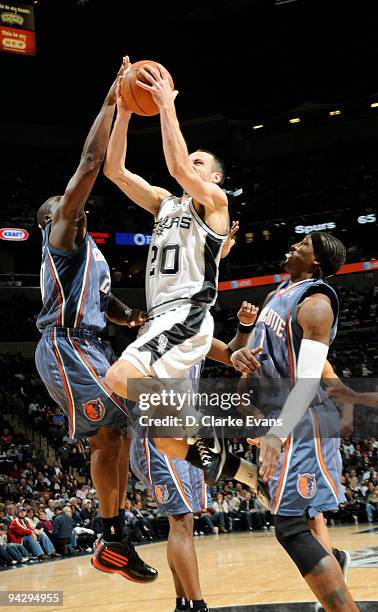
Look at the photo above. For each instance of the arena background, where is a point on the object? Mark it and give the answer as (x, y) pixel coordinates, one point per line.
(286, 93)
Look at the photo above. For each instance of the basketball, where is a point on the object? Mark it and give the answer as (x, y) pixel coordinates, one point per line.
(137, 99)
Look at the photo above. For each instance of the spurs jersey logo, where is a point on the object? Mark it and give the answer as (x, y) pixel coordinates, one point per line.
(162, 343)
(306, 485)
(273, 320)
(94, 410)
(161, 493)
(167, 223)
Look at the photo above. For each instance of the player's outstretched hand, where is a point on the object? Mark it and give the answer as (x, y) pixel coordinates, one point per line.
(270, 452)
(244, 360)
(133, 317)
(122, 109)
(247, 313)
(230, 241)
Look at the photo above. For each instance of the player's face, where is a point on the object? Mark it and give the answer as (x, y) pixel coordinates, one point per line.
(203, 164)
(301, 257)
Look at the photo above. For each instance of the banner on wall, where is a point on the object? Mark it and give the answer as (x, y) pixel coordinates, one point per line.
(17, 30)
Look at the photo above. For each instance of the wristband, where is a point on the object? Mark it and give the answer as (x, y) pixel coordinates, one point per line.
(245, 329)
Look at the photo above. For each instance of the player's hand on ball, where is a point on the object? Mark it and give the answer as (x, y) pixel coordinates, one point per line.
(157, 84)
(133, 317)
(122, 110)
(247, 314)
(230, 241)
(244, 360)
(270, 452)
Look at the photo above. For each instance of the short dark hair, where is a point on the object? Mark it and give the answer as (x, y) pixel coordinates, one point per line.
(329, 251)
(46, 207)
(219, 164)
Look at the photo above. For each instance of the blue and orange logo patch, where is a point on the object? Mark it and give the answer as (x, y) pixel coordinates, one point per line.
(161, 493)
(94, 410)
(306, 485)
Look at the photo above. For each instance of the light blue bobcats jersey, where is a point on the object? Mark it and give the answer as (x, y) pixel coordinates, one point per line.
(278, 332)
(75, 286)
(307, 479)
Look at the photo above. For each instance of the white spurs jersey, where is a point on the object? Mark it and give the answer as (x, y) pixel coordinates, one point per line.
(183, 258)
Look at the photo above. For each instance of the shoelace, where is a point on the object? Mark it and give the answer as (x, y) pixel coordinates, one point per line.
(204, 453)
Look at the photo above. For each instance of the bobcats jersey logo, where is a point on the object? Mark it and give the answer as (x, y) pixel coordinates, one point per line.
(161, 493)
(162, 344)
(306, 485)
(94, 410)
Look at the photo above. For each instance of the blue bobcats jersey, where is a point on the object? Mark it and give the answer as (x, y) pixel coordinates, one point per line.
(307, 479)
(278, 332)
(75, 286)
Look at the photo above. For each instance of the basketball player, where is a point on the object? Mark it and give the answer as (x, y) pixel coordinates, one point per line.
(295, 327)
(179, 488)
(71, 360)
(182, 266)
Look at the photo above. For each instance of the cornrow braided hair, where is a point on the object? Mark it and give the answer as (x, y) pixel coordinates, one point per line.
(329, 251)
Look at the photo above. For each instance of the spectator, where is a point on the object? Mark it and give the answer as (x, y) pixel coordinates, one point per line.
(372, 504)
(220, 508)
(62, 531)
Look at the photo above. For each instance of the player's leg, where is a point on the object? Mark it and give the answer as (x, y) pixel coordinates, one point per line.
(181, 601)
(320, 569)
(123, 475)
(105, 456)
(320, 531)
(184, 559)
(215, 465)
(118, 375)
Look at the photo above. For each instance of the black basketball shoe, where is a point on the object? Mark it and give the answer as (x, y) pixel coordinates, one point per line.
(122, 558)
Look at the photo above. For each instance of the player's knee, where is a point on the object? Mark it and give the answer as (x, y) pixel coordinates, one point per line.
(296, 538)
(106, 439)
(116, 378)
(182, 524)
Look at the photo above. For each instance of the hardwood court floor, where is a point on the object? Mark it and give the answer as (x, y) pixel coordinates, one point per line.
(238, 568)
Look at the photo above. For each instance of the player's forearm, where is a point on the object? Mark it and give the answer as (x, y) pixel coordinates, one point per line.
(117, 312)
(97, 140)
(116, 153)
(311, 360)
(174, 145)
(220, 352)
(367, 399)
(240, 340)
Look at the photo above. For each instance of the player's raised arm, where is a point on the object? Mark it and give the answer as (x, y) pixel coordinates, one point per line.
(135, 187)
(68, 216)
(176, 152)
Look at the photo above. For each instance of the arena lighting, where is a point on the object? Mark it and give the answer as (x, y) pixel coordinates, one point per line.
(257, 127)
(374, 105)
(295, 120)
(335, 112)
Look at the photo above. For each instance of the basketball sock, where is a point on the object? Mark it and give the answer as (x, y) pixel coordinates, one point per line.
(122, 520)
(182, 603)
(198, 605)
(193, 456)
(112, 531)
